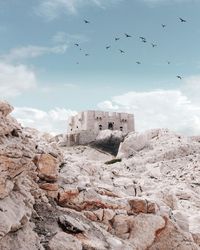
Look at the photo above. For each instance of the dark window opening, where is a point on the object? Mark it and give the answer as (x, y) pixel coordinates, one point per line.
(100, 127)
(121, 128)
(110, 125)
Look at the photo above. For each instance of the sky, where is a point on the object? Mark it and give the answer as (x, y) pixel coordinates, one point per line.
(47, 78)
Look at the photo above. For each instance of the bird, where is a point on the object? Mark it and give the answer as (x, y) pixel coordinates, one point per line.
(168, 62)
(122, 51)
(108, 47)
(143, 39)
(86, 21)
(77, 62)
(86, 54)
(117, 38)
(182, 20)
(163, 25)
(138, 62)
(76, 44)
(179, 77)
(154, 45)
(127, 35)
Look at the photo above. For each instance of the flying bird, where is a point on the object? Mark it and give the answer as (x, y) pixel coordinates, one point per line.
(86, 54)
(122, 51)
(117, 38)
(127, 35)
(143, 39)
(179, 77)
(108, 47)
(86, 21)
(163, 25)
(76, 44)
(138, 62)
(168, 62)
(154, 45)
(182, 20)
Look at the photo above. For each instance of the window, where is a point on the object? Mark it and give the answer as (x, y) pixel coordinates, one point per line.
(110, 125)
(100, 127)
(121, 128)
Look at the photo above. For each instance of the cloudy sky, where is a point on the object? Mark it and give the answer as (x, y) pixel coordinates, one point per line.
(48, 78)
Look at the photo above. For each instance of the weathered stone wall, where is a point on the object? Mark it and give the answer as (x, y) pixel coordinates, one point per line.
(100, 120)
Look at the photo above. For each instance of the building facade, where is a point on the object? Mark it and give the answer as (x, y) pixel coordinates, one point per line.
(95, 121)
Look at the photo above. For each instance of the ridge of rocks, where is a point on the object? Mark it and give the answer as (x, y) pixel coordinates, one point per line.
(62, 198)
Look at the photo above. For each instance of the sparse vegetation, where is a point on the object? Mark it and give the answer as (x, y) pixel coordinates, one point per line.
(113, 161)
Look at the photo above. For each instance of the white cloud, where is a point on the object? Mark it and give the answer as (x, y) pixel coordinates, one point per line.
(63, 37)
(31, 51)
(159, 109)
(51, 9)
(53, 121)
(15, 79)
(158, 2)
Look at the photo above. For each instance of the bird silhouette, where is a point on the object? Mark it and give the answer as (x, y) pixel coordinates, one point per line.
(76, 44)
(138, 62)
(122, 51)
(163, 25)
(154, 45)
(182, 20)
(127, 35)
(108, 47)
(117, 38)
(86, 54)
(86, 21)
(168, 62)
(143, 39)
(179, 77)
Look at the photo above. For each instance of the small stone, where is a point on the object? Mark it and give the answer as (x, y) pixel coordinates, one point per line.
(70, 224)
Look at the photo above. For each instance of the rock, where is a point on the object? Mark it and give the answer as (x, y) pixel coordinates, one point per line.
(139, 205)
(63, 241)
(121, 225)
(133, 142)
(14, 213)
(144, 228)
(173, 238)
(23, 239)
(67, 198)
(70, 224)
(5, 108)
(47, 167)
(49, 186)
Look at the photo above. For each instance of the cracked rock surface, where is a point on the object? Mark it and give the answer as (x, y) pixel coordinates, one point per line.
(66, 198)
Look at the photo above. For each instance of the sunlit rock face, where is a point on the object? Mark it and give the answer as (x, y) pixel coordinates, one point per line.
(60, 198)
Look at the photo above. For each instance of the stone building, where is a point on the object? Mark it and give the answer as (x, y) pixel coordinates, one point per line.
(85, 126)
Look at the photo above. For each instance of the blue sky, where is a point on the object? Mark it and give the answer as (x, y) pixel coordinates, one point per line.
(40, 76)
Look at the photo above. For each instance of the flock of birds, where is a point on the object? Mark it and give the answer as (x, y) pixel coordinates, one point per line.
(143, 39)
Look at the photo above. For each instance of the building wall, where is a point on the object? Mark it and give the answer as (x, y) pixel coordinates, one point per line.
(94, 120)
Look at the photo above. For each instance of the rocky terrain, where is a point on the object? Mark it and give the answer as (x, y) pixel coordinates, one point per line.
(66, 198)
